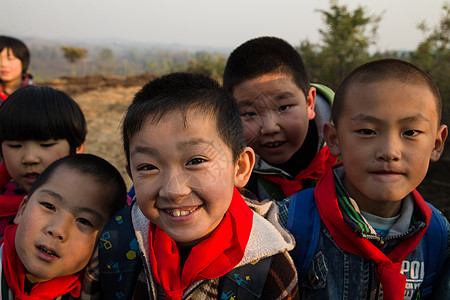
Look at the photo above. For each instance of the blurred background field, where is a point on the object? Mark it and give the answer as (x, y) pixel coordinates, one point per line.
(104, 101)
(102, 76)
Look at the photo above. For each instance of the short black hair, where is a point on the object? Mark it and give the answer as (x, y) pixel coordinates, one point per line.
(381, 70)
(261, 56)
(42, 113)
(18, 48)
(98, 168)
(182, 92)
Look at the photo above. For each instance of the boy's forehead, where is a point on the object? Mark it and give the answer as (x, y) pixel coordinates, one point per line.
(200, 123)
(380, 94)
(267, 84)
(182, 116)
(386, 85)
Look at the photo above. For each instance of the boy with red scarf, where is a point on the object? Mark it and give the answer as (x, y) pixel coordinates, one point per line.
(57, 228)
(387, 129)
(186, 156)
(282, 115)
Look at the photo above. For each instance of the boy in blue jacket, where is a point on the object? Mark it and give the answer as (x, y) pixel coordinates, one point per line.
(387, 129)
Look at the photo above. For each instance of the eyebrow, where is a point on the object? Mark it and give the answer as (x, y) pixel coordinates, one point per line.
(155, 152)
(245, 103)
(364, 117)
(60, 198)
(193, 142)
(144, 150)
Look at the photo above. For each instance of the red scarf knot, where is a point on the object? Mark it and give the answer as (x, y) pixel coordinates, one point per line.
(211, 258)
(388, 267)
(318, 166)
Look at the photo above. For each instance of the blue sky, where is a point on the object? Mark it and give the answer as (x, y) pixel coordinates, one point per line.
(209, 23)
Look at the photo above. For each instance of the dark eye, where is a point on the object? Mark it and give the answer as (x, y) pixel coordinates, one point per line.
(146, 167)
(84, 222)
(249, 114)
(284, 108)
(48, 206)
(196, 161)
(47, 145)
(411, 132)
(14, 146)
(366, 132)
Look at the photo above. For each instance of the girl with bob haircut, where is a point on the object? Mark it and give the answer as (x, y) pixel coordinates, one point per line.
(14, 61)
(38, 125)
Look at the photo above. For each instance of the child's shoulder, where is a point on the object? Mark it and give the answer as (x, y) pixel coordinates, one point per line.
(268, 236)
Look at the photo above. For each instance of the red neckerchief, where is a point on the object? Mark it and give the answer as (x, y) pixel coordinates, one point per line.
(15, 275)
(388, 267)
(26, 81)
(3, 95)
(9, 204)
(315, 170)
(211, 258)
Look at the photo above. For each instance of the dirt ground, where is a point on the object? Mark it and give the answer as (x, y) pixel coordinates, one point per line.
(104, 101)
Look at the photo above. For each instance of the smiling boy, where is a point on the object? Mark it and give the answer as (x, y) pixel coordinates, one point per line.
(58, 226)
(387, 129)
(282, 116)
(186, 156)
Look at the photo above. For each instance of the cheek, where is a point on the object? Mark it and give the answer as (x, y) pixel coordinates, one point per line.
(83, 248)
(296, 128)
(147, 207)
(251, 131)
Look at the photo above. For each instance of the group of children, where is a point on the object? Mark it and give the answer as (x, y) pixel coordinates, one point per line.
(238, 192)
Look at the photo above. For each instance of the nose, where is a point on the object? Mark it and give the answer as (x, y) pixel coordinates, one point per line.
(58, 228)
(389, 148)
(269, 122)
(175, 186)
(30, 156)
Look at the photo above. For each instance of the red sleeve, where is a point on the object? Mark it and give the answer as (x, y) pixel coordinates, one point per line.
(4, 175)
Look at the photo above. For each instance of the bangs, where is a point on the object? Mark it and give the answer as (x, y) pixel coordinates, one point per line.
(19, 127)
(41, 113)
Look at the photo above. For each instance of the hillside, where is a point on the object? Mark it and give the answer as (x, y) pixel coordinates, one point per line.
(104, 101)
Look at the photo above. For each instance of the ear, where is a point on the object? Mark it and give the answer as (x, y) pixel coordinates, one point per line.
(441, 136)
(311, 102)
(127, 167)
(244, 167)
(81, 148)
(19, 214)
(330, 134)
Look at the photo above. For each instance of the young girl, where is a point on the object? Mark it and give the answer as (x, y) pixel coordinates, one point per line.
(38, 125)
(14, 60)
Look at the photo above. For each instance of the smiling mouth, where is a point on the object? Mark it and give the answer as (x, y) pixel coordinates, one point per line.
(48, 251)
(273, 145)
(179, 212)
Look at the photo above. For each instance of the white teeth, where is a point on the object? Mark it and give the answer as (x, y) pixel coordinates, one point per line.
(272, 145)
(177, 213)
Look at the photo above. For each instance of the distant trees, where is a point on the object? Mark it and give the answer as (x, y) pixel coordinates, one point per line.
(207, 64)
(345, 42)
(73, 55)
(433, 54)
(105, 61)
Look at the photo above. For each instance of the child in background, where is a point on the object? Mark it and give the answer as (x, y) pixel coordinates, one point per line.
(387, 129)
(282, 115)
(58, 226)
(14, 60)
(186, 156)
(38, 125)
